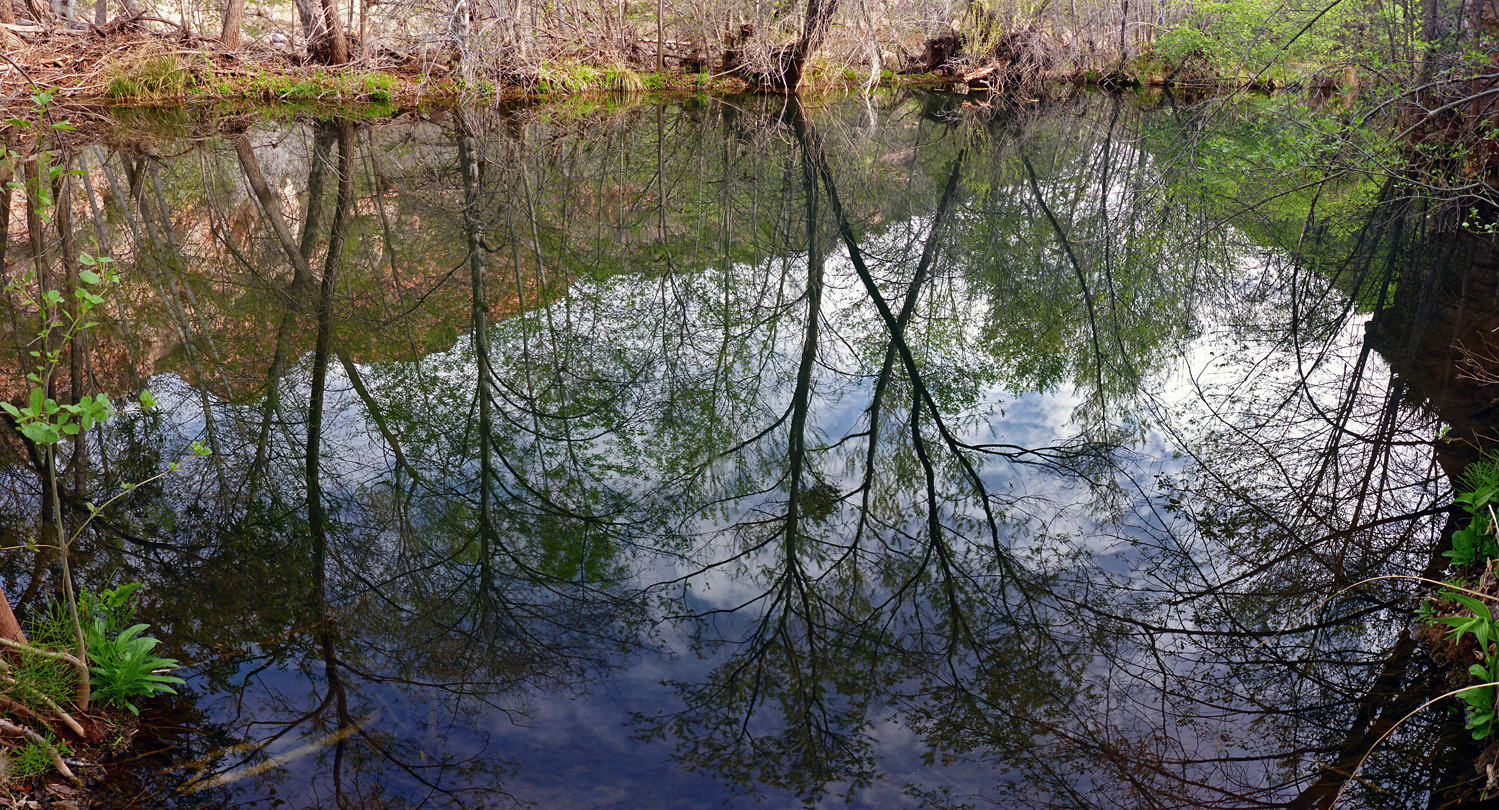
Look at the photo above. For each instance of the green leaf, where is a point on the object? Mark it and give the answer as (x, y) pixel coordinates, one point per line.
(40, 432)
(1471, 603)
(1460, 624)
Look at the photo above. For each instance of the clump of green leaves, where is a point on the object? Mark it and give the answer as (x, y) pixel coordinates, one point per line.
(1474, 543)
(1485, 632)
(1478, 490)
(622, 78)
(377, 86)
(121, 659)
(126, 666)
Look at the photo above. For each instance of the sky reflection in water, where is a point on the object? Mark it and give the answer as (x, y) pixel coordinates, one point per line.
(652, 559)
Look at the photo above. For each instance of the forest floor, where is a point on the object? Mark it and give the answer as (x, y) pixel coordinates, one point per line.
(124, 64)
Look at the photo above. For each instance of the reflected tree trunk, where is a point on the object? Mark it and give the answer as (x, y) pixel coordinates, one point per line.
(317, 517)
(96, 214)
(801, 395)
(812, 151)
(272, 402)
(473, 228)
(882, 380)
(1077, 269)
(41, 267)
(62, 193)
(270, 206)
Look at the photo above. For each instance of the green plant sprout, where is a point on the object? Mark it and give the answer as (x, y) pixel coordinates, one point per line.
(1485, 631)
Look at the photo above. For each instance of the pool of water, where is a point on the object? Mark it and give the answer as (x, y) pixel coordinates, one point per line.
(902, 451)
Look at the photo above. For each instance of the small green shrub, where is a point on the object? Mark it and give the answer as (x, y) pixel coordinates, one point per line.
(122, 660)
(569, 77)
(293, 88)
(623, 79)
(1478, 491)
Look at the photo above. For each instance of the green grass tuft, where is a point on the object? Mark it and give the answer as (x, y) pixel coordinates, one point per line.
(154, 77)
(31, 757)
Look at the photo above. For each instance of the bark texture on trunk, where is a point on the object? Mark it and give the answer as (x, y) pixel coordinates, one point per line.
(9, 627)
(234, 19)
(41, 12)
(337, 43)
(327, 40)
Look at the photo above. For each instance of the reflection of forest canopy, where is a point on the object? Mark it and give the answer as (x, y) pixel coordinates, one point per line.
(495, 400)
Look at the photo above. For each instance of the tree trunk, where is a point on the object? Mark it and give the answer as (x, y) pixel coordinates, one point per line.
(270, 204)
(790, 61)
(234, 18)
(308, 15)
(41, 13)
(317, 516)
(338, 41)
(9, 627)
(327, 42)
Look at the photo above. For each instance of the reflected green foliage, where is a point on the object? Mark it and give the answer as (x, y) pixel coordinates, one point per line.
(881, 433)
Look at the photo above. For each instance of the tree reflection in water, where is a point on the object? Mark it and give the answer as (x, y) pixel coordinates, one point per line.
(1025, 442)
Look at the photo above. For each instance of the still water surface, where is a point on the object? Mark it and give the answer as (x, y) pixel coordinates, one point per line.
(741, 452)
